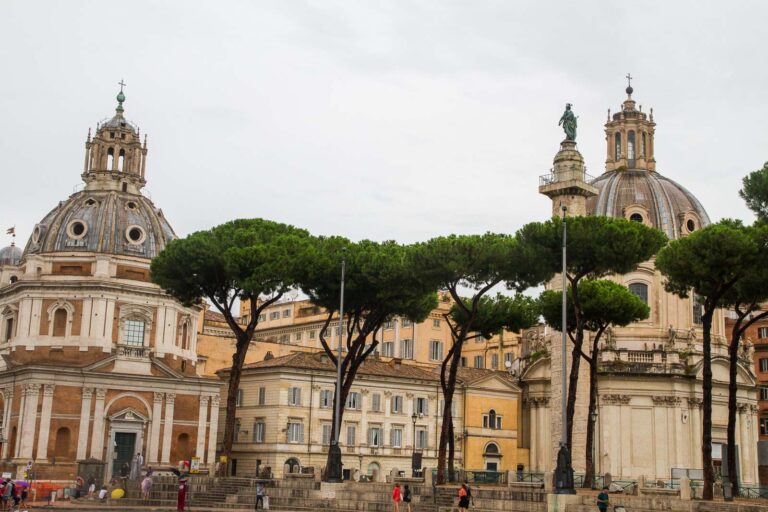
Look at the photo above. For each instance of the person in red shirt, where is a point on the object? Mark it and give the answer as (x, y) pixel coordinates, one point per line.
(396, 498)
(463, 497)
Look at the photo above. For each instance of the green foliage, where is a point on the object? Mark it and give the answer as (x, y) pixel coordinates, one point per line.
(245, 258)
(752, 288)
(498, 313)
(710, 260)
(603, 303)
(755, 192)
(380, 280)
(597, 246)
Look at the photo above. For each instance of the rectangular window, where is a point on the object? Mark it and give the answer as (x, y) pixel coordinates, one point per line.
(374, 436)
(509, 357)
(421, 406)
(389, 325)
(326, 435)
(326, 399)
(351, 434)
(697, 308)
(295, 432)
(262, 317)
(133, 333)
(376, 402)
(406, 349)
(258, 431)
(285, 338)
(397, 404)
(396, 438)
(764, 426)
(498, 422)
(294, 396)
(298, 336)
(762, 332)
(435, 323)
(436, 350)
(286, 313)
(421, 439)
(239, 398)
(495, 361)
(463, 362)
(764, 365)
(407, 322)
(763, 393)
(274, 315)
(353, 400)
(388, 349)
(485, 417)
(479, 362)
(311, 335)
(262, 396)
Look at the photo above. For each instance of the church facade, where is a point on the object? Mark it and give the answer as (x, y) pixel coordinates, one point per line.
(649, 417)
(98, 363)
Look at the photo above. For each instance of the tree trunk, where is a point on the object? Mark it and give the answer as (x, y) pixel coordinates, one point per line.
(573, 383)
(238, 359)
(451, 452)
(589, 476)
(706, 438)
(733, 356)
(448, 386)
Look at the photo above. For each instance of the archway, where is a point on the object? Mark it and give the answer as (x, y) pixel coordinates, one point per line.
(294, 466)
(62, 444)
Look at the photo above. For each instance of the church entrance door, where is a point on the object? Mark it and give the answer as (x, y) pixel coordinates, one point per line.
(125, 443)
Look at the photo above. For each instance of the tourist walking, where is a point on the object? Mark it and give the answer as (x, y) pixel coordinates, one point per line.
(146, 487)
(259, 495)
(463, 497)
(602, 500)
(469, 493)
(396, 498)
(407, 498)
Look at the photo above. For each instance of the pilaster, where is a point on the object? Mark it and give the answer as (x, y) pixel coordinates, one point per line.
(7, 408)
(154, 429)
(97, 439)
(170, 399)
(45, 422)
(32, 393)
(213, 428)
(85, 421)
(201, 424)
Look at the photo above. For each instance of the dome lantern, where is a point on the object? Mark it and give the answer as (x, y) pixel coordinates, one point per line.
(629, 136)
(115, 158)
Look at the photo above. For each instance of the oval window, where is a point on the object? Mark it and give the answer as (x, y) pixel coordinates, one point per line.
(131, 205)
(690, 224)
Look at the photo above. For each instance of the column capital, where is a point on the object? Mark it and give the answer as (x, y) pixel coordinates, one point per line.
(158, 397)
(31, 389)
(215, 400)
(87, 392)
(101, 393)
(170, 398)
(48, 389)
(204, 401)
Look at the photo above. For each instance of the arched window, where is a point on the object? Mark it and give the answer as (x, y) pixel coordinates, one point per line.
(63, 442)
(492, 449)
(110, 158)
(642, 148)
(59, 323)
(182, 447)
(631, 148)
(640, 290)
(492, 419)
(133, 332)
(636, 217)
(121, 160)
(617, 146)
(294, 466)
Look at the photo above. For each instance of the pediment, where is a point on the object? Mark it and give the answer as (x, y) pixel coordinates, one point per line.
(493, 383)
(129, 415)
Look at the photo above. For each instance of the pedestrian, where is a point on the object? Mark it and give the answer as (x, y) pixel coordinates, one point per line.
(259, 495)
(24, 496)
(138, 462)
(602, 500)
(181, 497)
(5, 496)
(463, 497)
(396, 498)
(103, 493)
(146, 487)
(469, 493)
(125, 471)
(407, 498)
(91, 485)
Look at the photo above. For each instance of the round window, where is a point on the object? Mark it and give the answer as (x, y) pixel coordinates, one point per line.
(636, 217)
(36, 234)
(77, 229)
(131, 205)
(690, 225)
(135, 235)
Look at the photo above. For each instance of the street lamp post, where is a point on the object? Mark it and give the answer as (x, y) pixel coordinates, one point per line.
(563, 483)
(334, 462)
(593, 418)
(413, 447)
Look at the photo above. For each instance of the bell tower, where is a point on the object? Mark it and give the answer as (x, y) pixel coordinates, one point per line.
(629, 136)
(568, 183)
(115, 158)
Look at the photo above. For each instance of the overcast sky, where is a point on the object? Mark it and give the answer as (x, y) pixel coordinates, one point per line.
(389, 119)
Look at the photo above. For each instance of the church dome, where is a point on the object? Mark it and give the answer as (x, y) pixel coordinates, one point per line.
(10, 255)
(648, 197)
(110, 215)
(103, 221)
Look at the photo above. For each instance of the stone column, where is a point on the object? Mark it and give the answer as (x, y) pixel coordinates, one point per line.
(695, 404)
(97, 439)
(534, 426)
(170, 399)
(154, 429)
(213, 429)
(202, 420)
(45, 422)
(752, 426)
(7, 408)
(32, 392)
(85, 422)
(743, 441)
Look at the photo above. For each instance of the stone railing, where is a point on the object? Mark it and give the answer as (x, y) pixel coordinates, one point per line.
(564, 175)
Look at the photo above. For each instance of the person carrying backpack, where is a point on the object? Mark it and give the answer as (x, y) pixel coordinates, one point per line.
(407, 498)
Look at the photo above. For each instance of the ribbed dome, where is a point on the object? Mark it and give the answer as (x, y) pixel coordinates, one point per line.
(10, 255)
(102, 221)
(648, 197)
